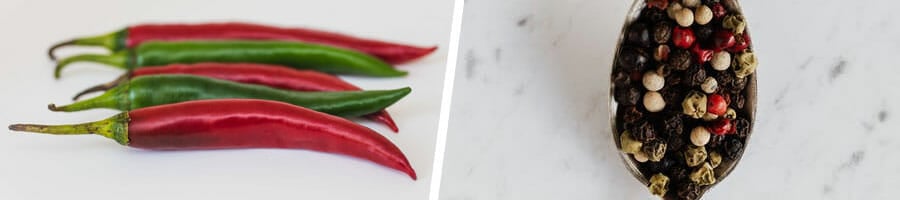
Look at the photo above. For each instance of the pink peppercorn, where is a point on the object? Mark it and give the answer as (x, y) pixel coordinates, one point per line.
(683, 37)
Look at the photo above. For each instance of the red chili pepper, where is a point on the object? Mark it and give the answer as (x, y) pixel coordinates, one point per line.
(132, 36)
(260, 74)
(238, 123)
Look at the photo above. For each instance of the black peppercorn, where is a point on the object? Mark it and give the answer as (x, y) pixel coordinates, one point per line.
(632, 114)
(696, 76)
(673, 124)
(643, 131)
(639, 34)
(703, 33)
(662, 32)
(679, 59)
(689, 191)
(675, 144)
(732, 148)
(715, 141)
(653, 15)
(634, 59)
(738, 100)
(622, 79)
(742, 127)
(662, 166)
(628, 96)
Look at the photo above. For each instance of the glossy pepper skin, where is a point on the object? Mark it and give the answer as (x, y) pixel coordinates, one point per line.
(238, 123)
(291, 54)
(251, 73)
(138, 34)
(157, 90)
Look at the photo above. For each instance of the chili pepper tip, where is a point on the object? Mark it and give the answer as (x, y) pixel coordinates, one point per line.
(57, 46)
(53, 107)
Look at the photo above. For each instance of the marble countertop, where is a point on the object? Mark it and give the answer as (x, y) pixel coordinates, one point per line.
(529, 118)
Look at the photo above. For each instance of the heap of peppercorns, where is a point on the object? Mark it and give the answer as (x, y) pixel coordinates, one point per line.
(679, 81)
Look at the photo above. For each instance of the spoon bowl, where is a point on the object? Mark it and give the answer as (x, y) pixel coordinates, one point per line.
(727, 166)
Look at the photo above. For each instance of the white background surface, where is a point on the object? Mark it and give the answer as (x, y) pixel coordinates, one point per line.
(36, 166)
(529, 116)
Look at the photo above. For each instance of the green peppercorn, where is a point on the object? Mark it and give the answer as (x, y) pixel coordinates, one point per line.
(659, 184)
(694, 104)
(629, 145)
(745, 64)
(704, 175)
(736, 23)
(655, 150)
(715, 159)
(694, 155)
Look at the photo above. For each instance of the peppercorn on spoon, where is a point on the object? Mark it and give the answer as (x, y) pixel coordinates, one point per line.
(720, 63)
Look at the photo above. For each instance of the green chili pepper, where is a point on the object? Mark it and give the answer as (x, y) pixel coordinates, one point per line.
(146, 91)
(292, 54)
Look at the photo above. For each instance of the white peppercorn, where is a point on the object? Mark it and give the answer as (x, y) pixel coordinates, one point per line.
(703, 15)
(641, 157)
(721, 60)
(691, 3)
(684, 17)
(673, 8)
(654, 102)
(710, 85)
(653, 81)
(699, 136)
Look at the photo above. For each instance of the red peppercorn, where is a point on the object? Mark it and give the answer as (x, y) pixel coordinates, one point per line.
(719, 11)
(661, 4)
(701, 55)
(715, 104)
(683, 37)
(742, 42)
(723, 39)
(720, 127)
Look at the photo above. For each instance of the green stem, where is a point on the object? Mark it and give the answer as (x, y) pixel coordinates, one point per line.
(111, 41)
(116, 98)
(115, 127)
(103, 87)
(118, 60)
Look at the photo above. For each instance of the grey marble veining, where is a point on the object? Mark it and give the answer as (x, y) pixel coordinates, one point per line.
(529, 113)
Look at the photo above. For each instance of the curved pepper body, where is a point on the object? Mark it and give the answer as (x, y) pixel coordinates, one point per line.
(268, 75)
(157, 90)
(291, 54)
(261, 74)
(238, 123)
(390, 52)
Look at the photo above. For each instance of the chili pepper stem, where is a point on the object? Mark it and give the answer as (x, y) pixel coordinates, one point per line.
(110, 41)
(115, 127)
(103, 87)
(118, 60)
(112, 99)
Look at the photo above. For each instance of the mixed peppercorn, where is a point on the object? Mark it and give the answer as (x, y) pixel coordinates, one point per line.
(680, 85)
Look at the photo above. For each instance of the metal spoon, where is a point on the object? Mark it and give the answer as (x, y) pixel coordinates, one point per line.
(725, 167)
